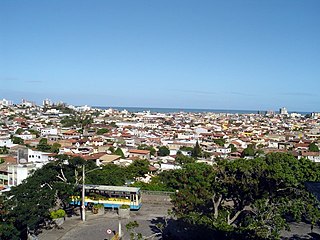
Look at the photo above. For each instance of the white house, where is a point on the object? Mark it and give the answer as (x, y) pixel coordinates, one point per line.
(19, 172)
(49, 131)
(26, 135)
(312, 156)
(26, 155)
(5, 140)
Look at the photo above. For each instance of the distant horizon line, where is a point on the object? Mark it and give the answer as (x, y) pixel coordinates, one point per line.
(202, 109)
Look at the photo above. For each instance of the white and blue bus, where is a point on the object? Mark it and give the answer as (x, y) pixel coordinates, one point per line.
(110, 196)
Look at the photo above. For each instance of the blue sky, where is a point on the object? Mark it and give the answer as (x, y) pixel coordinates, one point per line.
(233, 54)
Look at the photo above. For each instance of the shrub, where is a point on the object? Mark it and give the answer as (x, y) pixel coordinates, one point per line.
(124, 206)
(60, 213)
(98, 206)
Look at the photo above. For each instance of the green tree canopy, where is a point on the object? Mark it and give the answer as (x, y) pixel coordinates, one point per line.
(233, 148)
(163, 151)
(249, 151)
(257, 196)
(196, 152)
(313, 147)
(43, 145)
(55, 148)
(110, 174)
(146, 147)
(17, 140)
(182, 159)
(47, 188)
(119, 152)
(220, 141)
(102, 131)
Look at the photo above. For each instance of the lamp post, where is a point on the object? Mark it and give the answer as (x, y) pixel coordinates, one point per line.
(83, 206)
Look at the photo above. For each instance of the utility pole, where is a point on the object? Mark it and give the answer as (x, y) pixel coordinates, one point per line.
(119, 229)
(83, 206)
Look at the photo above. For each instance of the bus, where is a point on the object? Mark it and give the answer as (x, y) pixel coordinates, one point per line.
(110, 196)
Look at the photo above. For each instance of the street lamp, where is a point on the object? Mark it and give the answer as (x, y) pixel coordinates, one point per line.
(83, 206)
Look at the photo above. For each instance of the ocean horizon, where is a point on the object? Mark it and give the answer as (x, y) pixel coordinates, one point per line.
(190, 110)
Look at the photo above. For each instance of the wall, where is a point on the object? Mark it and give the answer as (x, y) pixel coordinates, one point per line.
(155, 197)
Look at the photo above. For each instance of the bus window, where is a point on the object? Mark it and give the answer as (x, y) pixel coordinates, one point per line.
(132, 198)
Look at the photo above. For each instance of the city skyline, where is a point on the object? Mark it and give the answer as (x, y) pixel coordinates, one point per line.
(214, 55)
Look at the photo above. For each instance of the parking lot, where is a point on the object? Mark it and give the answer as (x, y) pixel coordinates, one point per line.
(95, 228)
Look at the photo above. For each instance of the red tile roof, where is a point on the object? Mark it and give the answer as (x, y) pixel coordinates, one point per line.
(137, 151)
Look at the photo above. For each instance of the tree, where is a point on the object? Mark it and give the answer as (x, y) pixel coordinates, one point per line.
(34, 132)
(182, 159)
(55, 148)
(233, 148)
(17, 140)
(219, 141)
(149, 148)
(255, 197)
(7, 228)
(43, 145)
(187, 149)
(111, 149)
(249, 151)
(163, 151)
(138, 168)
(102, 131)
(313, 147)
(4, 150)
(119, 152)
(49, 187)
(110, 174)
(196, 152)
(19, 131)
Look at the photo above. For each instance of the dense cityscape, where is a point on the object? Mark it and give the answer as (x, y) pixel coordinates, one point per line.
(146, 150)
(159, 120)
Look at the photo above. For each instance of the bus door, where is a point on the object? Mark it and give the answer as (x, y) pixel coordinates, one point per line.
(133, 198)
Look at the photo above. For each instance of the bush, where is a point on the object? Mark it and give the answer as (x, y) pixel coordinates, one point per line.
(98, 206)
(124, 206)
(60, 213)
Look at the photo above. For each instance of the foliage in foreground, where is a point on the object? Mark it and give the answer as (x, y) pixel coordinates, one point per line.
(256, 198)
(32, 204)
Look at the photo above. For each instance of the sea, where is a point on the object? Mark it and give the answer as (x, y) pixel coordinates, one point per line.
(186, 110)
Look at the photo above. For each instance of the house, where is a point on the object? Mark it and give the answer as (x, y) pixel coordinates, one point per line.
(142, 154)
(8, 160)
(5, 140)
(49, 131)
(19, 172)
(108, 158)
(312, 156)
(26, 155)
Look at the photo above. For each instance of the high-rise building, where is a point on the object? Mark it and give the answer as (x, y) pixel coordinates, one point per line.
(46, 102)
(283, 111)
(5, 102)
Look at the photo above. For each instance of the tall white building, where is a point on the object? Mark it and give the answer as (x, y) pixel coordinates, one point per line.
(28, 161)
(5, 102)
(27, 103)
(19, 172)
(283, 111)
(46, 102)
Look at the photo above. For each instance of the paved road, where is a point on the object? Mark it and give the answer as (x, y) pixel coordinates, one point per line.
(95, 227)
